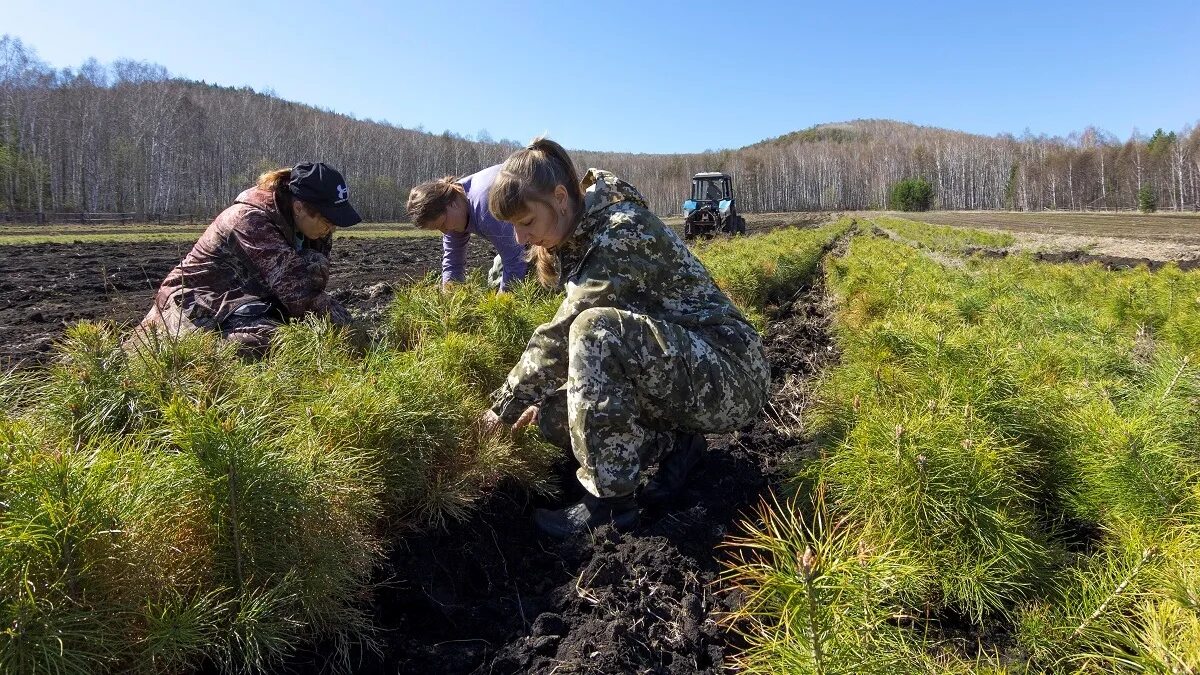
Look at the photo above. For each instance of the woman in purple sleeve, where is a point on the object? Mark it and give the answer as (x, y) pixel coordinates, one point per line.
(458, 208)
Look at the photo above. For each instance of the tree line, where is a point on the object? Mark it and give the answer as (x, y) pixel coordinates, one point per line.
(129, 137)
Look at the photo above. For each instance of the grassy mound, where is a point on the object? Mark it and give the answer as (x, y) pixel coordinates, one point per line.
(169, 503)
(1008, 477)
(944, 238)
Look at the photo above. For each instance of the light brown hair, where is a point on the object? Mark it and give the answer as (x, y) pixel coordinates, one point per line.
(429, 200)
(530, 175)
(275, 180)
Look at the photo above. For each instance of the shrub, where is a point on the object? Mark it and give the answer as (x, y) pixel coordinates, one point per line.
(911, 194)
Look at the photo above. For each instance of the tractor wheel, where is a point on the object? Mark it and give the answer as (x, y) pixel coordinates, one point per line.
(688, 232)
(739, 226)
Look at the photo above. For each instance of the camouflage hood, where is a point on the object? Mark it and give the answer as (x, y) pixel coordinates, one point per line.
(601, 191)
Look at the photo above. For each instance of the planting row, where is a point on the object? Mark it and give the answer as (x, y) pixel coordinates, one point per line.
(168, 505)
(943, 238)
(1007, 478)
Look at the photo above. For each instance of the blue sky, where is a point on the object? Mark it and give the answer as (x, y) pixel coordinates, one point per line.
(664, 76)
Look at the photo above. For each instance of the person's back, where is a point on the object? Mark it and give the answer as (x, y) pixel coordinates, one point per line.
(660, 276)
(458, 209)
(223, 270)
(262, 261)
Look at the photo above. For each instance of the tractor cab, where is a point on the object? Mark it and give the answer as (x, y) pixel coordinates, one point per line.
(711, 187)
(711, 207)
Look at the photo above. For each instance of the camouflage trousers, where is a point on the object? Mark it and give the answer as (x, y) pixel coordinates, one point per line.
(634, 382)
(249, 326)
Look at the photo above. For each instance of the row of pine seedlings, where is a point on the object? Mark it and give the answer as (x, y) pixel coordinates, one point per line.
(170, 507)
(1007, 478)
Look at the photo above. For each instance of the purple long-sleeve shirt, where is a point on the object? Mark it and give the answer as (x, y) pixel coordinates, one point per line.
(480, 221)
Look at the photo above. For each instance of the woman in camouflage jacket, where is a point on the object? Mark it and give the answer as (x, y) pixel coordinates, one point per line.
(263, 261)
(645, 353)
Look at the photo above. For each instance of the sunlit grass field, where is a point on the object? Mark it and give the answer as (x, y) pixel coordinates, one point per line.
(165, 504)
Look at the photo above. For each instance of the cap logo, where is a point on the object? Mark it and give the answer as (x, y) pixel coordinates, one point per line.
(343, 193)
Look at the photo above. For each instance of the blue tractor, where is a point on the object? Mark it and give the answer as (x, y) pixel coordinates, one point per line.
(711, 209)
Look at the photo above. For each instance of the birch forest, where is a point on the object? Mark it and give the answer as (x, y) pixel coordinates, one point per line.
(127, 137)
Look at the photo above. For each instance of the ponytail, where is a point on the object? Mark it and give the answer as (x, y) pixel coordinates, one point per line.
(545, 264)
(273, 181)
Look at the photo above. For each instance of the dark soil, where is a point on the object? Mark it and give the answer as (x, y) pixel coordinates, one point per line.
(45, 286)
(493, 596)
(1108, 262)
(1113, 262)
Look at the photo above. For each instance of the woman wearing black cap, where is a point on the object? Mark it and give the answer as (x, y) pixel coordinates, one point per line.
(263, 261)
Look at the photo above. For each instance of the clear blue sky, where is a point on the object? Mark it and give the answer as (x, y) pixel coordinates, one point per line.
(664, 76)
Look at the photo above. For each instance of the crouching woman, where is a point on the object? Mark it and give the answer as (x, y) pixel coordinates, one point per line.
(262, 261)
(644, 355)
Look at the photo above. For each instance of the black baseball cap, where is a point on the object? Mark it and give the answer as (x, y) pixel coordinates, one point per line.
(324, 188)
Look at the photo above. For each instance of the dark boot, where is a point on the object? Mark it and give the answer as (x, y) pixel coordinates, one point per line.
(673, 471)
(587, 515)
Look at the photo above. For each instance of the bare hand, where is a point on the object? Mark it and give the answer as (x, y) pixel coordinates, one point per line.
(489, 422)
(528, 417)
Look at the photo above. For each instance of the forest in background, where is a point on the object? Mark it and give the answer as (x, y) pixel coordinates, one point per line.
(128, 137)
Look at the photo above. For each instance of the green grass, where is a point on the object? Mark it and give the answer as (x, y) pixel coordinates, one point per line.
(1018, 444)
(767, 269)
(946, 239)
(168, 503)
(165, 505)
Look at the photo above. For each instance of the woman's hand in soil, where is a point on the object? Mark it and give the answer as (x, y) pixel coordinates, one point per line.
(528, 417)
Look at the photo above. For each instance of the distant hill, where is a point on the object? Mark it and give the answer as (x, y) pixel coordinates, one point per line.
(130, 138)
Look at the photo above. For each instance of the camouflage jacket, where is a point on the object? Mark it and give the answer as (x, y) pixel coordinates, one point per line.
(251, 253)
(623, 256)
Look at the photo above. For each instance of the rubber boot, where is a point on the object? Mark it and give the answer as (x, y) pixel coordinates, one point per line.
(588, 514)
(673, 471)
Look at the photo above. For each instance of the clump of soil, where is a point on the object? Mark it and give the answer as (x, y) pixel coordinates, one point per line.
(491, 595)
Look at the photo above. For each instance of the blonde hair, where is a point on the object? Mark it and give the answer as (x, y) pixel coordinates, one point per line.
(275, 180)
(429, 200)
(530, 175)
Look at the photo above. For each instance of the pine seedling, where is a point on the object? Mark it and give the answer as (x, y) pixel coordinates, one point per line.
(88, 392)
(182, 631)
(1137, 454)
(941, 486)
(475, 360)
(816, 598)
(424, 312)
(16, 392)
(66, 582)
(263, 629)
(945, 238)
(199, 366)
